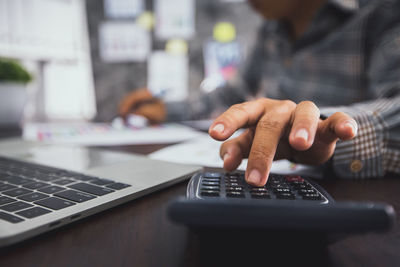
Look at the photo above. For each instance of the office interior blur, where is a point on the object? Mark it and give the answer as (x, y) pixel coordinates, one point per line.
(73, 60)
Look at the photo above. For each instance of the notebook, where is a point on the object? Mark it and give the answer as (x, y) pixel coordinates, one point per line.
(44, 186)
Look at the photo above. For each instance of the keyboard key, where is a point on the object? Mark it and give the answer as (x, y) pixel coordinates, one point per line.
(10, 218)
(35, 185)
(33, 212)
(5, 200)
(4, 187)
(16, 206)
(101, 181)
(55, 203)
(18, 180)
(51, 189)
(33, 197)
(45, 178)
(17, 192)
(84, 178)
(64, 182)
(91, 189)
(118, 186)
(75, 196)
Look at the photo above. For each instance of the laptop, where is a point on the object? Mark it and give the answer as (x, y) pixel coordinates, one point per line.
(43, 187)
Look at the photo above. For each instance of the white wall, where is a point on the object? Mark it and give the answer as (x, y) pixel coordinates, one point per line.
(52, 34)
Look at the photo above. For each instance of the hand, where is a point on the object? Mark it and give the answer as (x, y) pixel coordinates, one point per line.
(142, 102)
(278, 129)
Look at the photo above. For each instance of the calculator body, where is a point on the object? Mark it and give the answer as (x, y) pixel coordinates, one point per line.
(287, 203)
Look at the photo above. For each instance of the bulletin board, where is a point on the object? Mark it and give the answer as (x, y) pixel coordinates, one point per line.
(115, 79)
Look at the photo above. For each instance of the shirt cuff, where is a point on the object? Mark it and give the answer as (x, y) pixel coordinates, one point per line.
(360, 157)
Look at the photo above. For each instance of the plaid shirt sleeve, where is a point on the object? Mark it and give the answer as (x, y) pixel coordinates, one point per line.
(376, 149)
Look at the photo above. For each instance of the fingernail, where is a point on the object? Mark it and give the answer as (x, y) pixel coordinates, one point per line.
(302, 133)
(352, 125)
(226, 155)
(219, 128)
(254, 177)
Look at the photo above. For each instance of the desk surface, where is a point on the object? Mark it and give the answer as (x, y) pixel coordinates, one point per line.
(139, 233)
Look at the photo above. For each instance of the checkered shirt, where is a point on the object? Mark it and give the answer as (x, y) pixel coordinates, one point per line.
(348, 60)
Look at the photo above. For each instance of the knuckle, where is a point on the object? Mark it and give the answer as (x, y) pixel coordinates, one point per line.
(338, 115)
(239, 107)
(260, 153)
(307, 103)
(268, 125)
(289, 104)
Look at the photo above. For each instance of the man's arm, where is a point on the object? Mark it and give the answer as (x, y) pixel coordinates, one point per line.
(376, 149)
(274, 127)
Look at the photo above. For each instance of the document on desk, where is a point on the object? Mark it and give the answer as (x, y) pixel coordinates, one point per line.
(204, 151)
(104, 134)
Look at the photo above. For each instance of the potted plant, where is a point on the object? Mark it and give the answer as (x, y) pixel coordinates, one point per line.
(13, 81)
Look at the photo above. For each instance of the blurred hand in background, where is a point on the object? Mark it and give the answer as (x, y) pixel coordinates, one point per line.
(142, 102)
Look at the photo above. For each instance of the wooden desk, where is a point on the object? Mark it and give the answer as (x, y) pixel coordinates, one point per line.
(139, 233)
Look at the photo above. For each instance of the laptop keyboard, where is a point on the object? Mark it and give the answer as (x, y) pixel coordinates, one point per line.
(29, 190)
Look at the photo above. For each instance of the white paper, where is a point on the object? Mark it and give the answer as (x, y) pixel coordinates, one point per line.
(123, 9)
(174, 19)
(123, 42)
(103, 134)
(168, 76)
(204, 151)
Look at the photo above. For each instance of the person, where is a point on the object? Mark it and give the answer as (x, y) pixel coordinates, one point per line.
(322, 87)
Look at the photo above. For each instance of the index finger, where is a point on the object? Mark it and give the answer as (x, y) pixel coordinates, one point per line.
(236, 117)
(269, 132)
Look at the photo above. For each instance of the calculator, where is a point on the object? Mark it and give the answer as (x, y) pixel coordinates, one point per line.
(286, 203)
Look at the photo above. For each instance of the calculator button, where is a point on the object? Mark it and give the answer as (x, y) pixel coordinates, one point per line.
(210, 188)
(212, 175)
(259, 189)
(234, 194)
(212, 179)
(260, 195)
(211, 193)
(234, 188)
(285, 196)
(233, 175)
(312, 196)
(232, 184)
(307, 191)
(281, 190)
(210, 183)
(302, 186)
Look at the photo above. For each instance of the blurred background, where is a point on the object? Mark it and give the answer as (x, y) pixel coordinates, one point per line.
(73, 60)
